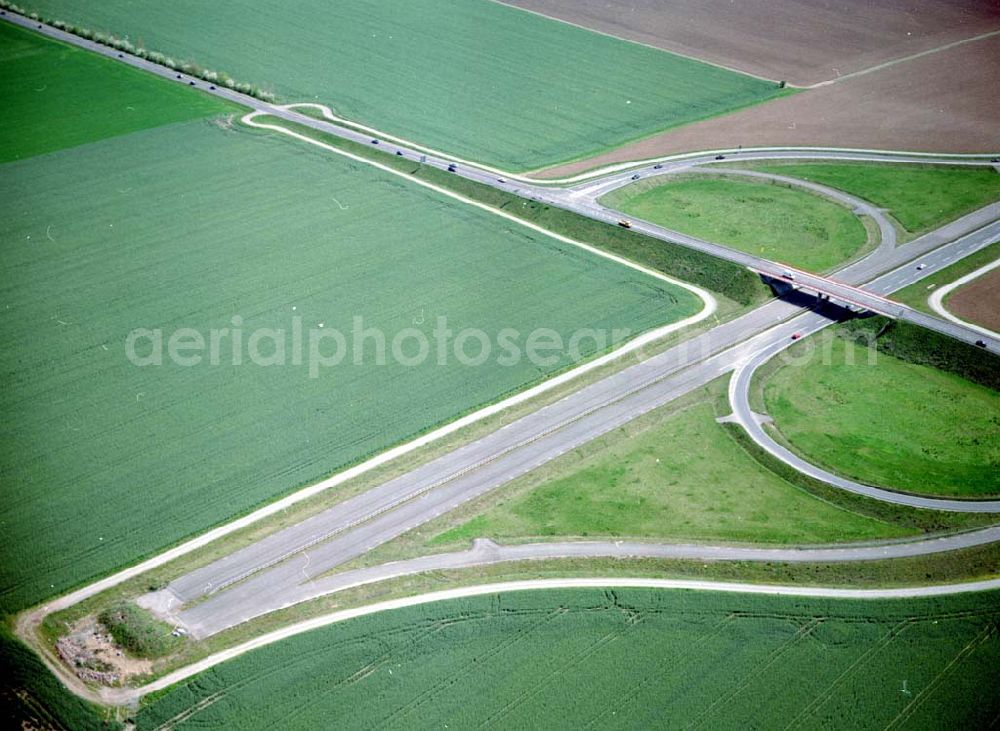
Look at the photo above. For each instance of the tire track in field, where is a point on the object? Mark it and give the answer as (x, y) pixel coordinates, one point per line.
(753, 674)
(820, 699)
(585, 654)
(457, 674)
(987, 633)
(676, 663)
(202, 705)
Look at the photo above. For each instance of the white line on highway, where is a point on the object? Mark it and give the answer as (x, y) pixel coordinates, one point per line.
(936, 300)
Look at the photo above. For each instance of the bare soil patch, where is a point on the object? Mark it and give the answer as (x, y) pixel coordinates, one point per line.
(92, 654)
(945, 102)
(802, 41)
(978, 301)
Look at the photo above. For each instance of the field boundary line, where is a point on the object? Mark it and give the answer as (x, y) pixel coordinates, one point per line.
(643, 44)
(253, 103)
(936, 300)
(904, 59)
(125, 696)
(710, 305)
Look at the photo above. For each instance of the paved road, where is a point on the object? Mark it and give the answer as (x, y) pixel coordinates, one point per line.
(739, 395)
(129, 696)
(269, 574)
(260, 573)
(208, 618)
(582, 199)
(936, 300)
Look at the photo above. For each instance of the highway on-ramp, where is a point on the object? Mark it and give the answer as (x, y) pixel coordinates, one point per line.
(270, 573)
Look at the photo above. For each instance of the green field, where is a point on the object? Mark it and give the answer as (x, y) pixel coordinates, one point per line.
(919, 197)
(773, 221)
(623, 658)
(897, 424)
(679, 478)
(176, 227)
(32, 698)
(56, 96)
(471, 77)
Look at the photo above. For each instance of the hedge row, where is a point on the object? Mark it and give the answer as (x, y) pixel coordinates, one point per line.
(125, 46)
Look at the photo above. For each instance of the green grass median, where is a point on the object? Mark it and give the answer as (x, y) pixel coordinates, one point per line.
(772, 221)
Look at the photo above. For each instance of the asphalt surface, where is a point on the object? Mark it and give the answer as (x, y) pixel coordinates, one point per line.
(582, 199)
(269, 574)
(208, 618)
(739, 395)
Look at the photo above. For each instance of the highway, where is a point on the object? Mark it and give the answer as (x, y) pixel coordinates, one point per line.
(581, 199)
(289, 565)
(270, 573)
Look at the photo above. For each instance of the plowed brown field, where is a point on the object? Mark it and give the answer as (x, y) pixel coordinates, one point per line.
(979, 301)
(943, 102)
(802, 41)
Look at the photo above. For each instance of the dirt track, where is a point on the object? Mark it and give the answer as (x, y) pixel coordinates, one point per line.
(806, 42)
(979, 301)
(944, 102)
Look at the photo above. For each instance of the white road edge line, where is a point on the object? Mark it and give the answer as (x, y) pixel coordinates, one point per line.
(936, 300)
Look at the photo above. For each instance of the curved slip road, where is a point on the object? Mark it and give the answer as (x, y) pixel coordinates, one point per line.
(270, 574)
(570, 200)
(739, 398)
(936, 300)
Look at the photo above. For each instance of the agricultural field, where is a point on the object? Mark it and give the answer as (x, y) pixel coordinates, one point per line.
(197, 226)
(978, 301)
(57, 96)
(471, 77)
(622, 658)
(927, 111)
(676, 477)
(932, 432)
(815, 41)
(919, 197)
(776, 222)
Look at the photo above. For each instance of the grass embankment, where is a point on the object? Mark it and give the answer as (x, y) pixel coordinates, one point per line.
(677, 476)
(729, 280)
(920, 197)
(498, 85)
(767, 219)
(628, 657)
(57, 96)
(910, 422)
(916, 294)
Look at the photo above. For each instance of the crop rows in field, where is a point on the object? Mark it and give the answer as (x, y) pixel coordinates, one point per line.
(191, 226)
(56, 96)
(471, 77)
(627, 658)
